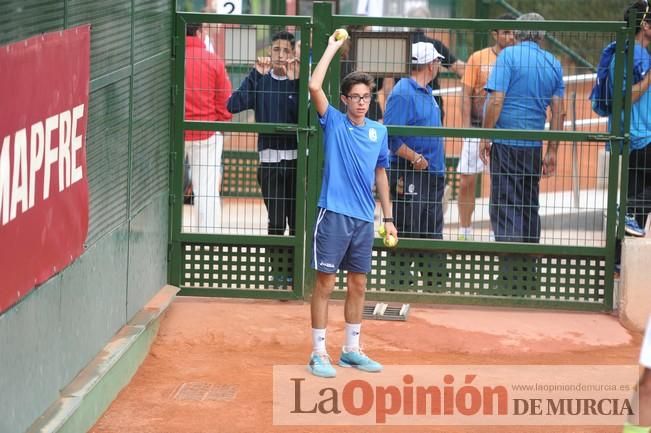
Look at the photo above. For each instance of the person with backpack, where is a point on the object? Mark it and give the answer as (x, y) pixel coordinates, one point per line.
(639, 159)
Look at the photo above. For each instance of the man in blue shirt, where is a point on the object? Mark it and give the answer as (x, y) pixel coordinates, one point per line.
(418, 163)
(524, 81)
(356, 156)
(639, 160)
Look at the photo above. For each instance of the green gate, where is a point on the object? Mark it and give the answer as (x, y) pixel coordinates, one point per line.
(568, 269)
(237, 257)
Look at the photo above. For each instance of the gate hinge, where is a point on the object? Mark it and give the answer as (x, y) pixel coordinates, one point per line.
(175, 90)
(309, 130)
(172, 161)
(602, 137)
(175, 41)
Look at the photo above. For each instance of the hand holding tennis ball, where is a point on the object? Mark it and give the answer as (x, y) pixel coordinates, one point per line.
(382, 231)
(390, 237)
(341, 34)
(390, 241)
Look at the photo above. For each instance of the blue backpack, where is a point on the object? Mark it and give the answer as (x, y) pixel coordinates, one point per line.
(602, 94)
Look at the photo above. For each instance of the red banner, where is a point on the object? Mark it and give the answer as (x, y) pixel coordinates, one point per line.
(44, 85)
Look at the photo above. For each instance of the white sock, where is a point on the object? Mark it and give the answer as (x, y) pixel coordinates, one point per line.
(352, 336)
(319, 340)
(466, 230)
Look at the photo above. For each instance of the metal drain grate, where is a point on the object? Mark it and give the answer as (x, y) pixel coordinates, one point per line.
(202, 391)
(382, 311)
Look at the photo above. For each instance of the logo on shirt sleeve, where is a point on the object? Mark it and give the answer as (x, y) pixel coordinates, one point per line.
(372, 134)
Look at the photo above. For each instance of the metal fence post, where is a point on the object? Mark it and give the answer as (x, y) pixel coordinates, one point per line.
(321, 26)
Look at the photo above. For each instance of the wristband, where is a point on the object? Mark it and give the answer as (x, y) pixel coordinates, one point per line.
(387, 220)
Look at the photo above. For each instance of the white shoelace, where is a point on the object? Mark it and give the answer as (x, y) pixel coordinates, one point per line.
(324, 357)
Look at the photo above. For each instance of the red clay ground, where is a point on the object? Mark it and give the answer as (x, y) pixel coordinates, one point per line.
(236, 342)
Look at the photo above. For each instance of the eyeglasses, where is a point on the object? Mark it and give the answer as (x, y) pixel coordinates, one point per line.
(358, 98)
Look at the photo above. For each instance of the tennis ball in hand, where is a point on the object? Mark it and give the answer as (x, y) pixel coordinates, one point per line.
(390, 241)
(341, 34)
(382, 231)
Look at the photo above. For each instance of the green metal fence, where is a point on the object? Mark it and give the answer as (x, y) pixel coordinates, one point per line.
(236, 257)
(571, 267)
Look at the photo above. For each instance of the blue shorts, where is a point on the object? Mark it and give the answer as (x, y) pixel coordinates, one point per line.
(341, 242)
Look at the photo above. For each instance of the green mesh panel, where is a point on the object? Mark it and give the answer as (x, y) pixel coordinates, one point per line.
(237, 267)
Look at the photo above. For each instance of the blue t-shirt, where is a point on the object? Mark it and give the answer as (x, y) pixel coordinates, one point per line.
(529, 77)
(640, 114)
(410, 104)
(352, 153)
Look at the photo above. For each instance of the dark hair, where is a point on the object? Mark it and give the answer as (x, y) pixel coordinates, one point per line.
(639, 9)
(506, 16)
(354, 78)
(191, 29)
(284, 36)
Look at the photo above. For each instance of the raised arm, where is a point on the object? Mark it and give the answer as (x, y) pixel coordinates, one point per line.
(244, 97)
(318, 96)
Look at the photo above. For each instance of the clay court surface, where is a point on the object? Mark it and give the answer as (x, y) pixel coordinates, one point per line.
(210, 368)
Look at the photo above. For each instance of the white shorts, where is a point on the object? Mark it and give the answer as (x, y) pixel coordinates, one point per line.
(469, 160)
(645, 353)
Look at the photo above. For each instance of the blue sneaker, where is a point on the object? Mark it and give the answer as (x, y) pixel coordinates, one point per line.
(631, 226)
(359, 360)
(321, 366)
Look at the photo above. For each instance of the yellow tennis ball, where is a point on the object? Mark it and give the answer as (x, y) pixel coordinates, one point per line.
(341, 34)
(390, 241)
(382, 231)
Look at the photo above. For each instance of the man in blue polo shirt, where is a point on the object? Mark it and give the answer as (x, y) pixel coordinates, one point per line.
(417, 163)
(524, 81)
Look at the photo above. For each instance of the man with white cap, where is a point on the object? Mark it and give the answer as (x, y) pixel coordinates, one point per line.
(417, 163)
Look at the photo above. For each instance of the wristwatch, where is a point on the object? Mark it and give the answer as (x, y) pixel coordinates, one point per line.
(387, 220)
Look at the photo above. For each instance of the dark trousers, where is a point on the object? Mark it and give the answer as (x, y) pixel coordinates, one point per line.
(418, 213)
(639, 190)
(417, 203)
(515, 187)
(639, 184)
(278, 183)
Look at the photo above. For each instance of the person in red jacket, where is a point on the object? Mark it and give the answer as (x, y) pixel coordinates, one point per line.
(207, 89)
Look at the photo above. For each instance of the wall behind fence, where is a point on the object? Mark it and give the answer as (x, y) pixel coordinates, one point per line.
(48, 337)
